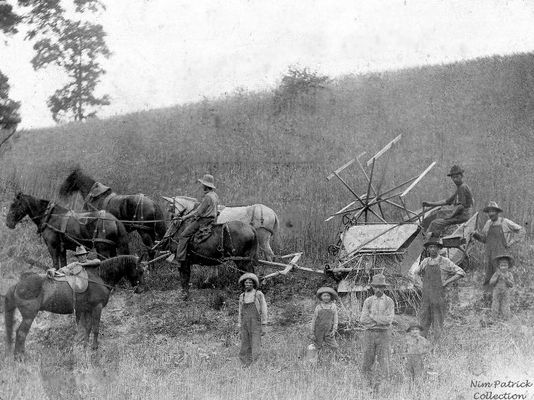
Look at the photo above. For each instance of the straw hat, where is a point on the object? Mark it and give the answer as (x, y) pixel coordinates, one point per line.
(379, 280)
(80, 251)
(249, 275)
(207, 180)
(434, 241)
(492, 205)
(326, 289)
(456, 170)
(508, 256)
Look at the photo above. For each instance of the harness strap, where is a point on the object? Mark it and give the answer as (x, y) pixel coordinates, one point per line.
(46, 217)
(107, 199)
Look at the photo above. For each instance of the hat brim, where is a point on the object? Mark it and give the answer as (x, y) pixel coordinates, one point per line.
(510, 259)
(456, 173)
(252, 277)
(331, 292)
(487, 209)
(208, 184)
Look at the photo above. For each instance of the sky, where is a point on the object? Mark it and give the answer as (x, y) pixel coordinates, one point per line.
(168, 52)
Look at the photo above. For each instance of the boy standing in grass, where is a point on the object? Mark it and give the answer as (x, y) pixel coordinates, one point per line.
(252, 317)
(325, 321)
(416, 347)
(501, 281)
(377, 316)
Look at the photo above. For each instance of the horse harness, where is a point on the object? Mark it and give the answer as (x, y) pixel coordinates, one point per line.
(98, 190)
(64, 222)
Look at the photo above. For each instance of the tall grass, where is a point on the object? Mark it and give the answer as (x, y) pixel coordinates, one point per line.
(478, 114)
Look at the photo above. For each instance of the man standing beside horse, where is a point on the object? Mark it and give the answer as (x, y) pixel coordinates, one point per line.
(205, 214)
(498, 235)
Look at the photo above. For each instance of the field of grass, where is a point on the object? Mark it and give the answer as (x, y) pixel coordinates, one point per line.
(155, 346)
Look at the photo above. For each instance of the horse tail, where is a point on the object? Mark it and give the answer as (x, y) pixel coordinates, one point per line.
(122, 239)
(160, 227)
(9, 315)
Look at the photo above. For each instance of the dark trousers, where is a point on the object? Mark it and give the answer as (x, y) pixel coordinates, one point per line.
(438, 226)
(376, 347)
(186, 234)
(433, 314)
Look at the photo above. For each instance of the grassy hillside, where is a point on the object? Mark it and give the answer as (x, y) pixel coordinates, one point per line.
(477, 113)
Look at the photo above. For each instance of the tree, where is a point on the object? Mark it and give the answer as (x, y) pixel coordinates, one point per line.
(9, 115)
(299, 87)
(76, 47)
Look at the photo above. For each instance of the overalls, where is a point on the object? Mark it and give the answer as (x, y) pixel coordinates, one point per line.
(323, 328)
(434, 305)
(501, 299)
(250, 334)
(495, 245)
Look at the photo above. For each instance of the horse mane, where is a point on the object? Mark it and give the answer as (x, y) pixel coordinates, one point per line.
(74, 182)
(113, 269)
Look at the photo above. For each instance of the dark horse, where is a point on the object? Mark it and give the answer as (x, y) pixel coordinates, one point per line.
(138, 212)
(233, 240)
(63, 229)
(36, 292)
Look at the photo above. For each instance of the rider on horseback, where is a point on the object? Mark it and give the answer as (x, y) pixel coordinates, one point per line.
(203, 215)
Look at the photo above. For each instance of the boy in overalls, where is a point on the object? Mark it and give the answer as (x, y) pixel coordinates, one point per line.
(252, 317)
(502, 280)
(324, 322)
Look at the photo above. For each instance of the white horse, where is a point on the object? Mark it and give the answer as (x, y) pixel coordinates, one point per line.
(261, 217)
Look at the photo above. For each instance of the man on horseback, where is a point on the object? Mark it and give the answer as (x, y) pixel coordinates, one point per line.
(205, 214)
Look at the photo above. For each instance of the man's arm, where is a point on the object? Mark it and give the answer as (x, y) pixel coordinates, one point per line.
(451, 268)
(90, 263)
(204, 204)
(365, 318)
(385, 317)
(518, 231)
(481, 236)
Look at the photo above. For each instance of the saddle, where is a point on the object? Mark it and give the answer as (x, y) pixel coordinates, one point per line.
(74, 274)
(203, 233)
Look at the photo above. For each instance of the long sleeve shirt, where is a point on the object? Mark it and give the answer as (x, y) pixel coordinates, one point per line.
(259, 299)
(330, 306)
(377, 312)
(207, 207)
(446, 266)
(512, 232)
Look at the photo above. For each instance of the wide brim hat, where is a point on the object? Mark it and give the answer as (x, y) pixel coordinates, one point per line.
(249, 275)
(207, 180)
(414, 326)
(434, 241)
(379, 280)
(326, 289)
(492, 205)
(456, 170)
(508, 256)
(80, 251)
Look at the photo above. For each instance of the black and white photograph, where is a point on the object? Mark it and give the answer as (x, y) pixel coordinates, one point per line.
(268, 200)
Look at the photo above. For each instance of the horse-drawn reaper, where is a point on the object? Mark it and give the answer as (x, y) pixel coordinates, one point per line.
(373, 240)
